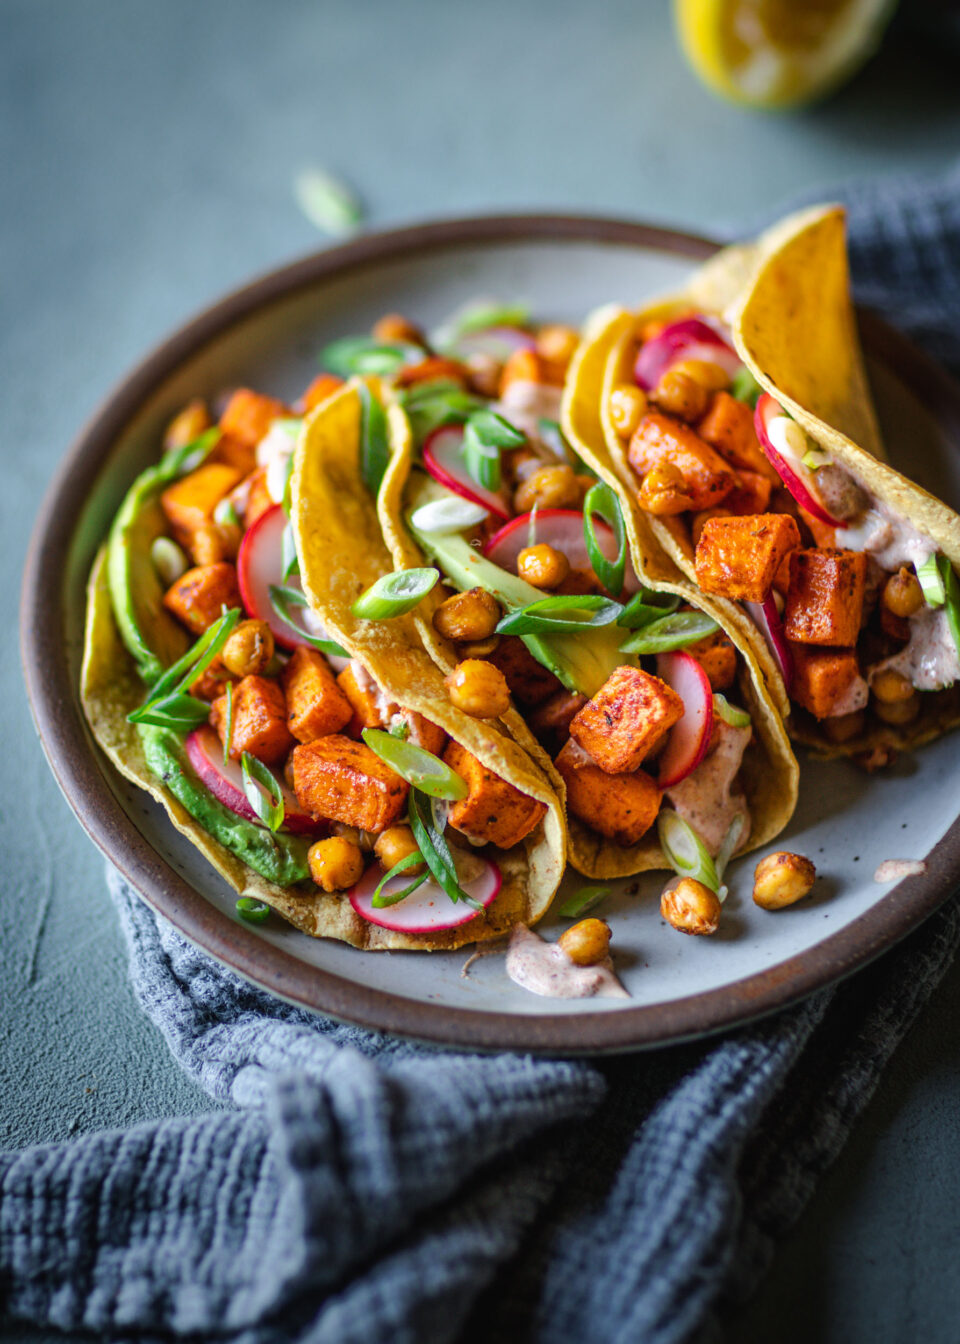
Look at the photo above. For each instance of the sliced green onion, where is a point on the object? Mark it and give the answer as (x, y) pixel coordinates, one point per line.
(532, 525)
(931, 581)
(727, 846)
(731, 714)
(327, 202)
(185, 671)
(564, 612)
(684, 850)
(602, 500)
(586, 898)
(284, 601)
(361, 355)
(815, 458)
(400, 729)
(434, 848)
(374, 445)
(441, 517)
(395, 593)
(289, 563)
(485, 436)
(671, 632)
(745, 387)
(263, 792)
(178, 461)
(226, 514)
(647, 606)
(179, 712)
(951, 590)
(253, 911)
(228, 723)
(418, 767)
(380, 901)
(438, 402)
(168, 560)
(479, 316)
(551, 435)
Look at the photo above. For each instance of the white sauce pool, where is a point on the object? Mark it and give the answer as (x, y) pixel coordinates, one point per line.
(544, 968)
(706, 799)
(895, 870)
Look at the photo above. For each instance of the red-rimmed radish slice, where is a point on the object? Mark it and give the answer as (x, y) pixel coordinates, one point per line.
(690, 338)
(444, 460)
(690, 736)
(225, 781)
(774, 430)
(429, 907)
(497, 342)
(766, 618)
(563, 530)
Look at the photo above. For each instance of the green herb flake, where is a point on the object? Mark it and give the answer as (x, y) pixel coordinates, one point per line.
(327, 202)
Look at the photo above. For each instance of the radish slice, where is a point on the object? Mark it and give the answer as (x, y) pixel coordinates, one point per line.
(563, 530)
(429, 907)
(690, 338)
(689, 738)
(767, 620)
(205, 753)
(498, 343)
(444, 460)
(799, 479)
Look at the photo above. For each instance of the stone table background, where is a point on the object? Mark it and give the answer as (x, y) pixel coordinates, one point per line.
(147, 152)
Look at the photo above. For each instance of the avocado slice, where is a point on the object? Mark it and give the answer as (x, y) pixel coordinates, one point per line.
(582, 660)
(150, 633)
(280, 857)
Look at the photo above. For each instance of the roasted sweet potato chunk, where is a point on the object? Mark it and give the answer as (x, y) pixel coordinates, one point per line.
(247, 415)
(493, 810)
(551, 720)
(189, 503)
(259, 499)
(752, 495)
(199, 596)
(259, 723)
(661, 439)
(341, 780)
(826, 681)
(316, 705)
(728, 427)
(235, 454)
(374, 709)
(718, 658)
(625, 719)
(431, 369)
(825, 597)
(529, 681)
(739, 557)
(620, 807)
(323, 386)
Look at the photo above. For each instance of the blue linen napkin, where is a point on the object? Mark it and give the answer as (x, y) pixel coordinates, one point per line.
(356, 1187)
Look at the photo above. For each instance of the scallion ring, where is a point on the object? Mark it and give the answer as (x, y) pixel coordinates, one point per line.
(586, 898)
(685, 852)
(731, 714)
(931, 581)
(564, 612)
(417, 766)
(670, 632)
(443, 517)
(381, 900)
(602, 500)
(263, 792)
(647, 606)
(393, 594)
(252, 910)
(951, 590)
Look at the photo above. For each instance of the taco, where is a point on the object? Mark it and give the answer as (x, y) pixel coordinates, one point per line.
(278, 751)
(607, 685)
(735, 422)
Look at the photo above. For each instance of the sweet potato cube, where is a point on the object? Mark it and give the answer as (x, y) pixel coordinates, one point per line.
(718, 657)
(199, 596)
(248, 415)
(551, 720)
(825, 597)
(728, 427)
(625, 719)
(739, 557)
(259, 723)
(493, 810)
(527, 366)
(825, 678)
(529, 681)
(323, 386)
(660, 439)
(316, 705)
(259, 498)
(189, 503)
(620, 807)
(752, 495)
(374, 709)
(341, 780)
(431, 369)
(235, 453)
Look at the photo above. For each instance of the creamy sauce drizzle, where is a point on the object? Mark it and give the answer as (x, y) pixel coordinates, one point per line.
(524, 404)
(854, 697)
(544, 968)
(929, 659)
(894, 870)
(886, 535)
(390, 712)
(706, 799)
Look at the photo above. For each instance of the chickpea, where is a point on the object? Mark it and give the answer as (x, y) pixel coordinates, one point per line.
(364, 840)
(843, 727)
(468, 616)
(549, 487)
(782, 879)
(678, 394)
(664, 490)
(902, 594)
(395, 327)
(689, 906)
(186, 426)
(335, 863)
(587, 942)
(478, 688)
(214, 542)
(485, 373)
(543, 566)
(479, 648)
(898, 711)
(557, 344)
(394, 844)
(703, 371)
(891, 686)
(249, 649)
(628, 406)
(698, 521)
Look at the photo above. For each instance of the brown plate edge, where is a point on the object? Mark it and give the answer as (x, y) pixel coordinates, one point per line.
(83, 781)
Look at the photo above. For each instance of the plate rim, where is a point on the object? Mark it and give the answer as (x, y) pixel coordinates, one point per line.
(83, 774)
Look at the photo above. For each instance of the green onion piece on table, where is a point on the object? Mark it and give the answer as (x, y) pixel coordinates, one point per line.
(252, 910)
(327, 202)
(586, 898)
(393, 594)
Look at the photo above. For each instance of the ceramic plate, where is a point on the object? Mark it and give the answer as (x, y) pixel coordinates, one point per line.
(268, 335)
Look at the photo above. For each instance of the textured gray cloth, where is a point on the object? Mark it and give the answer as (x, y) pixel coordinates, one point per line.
(358, 1188)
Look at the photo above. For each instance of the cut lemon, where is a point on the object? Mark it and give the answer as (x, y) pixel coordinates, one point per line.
(779, 53)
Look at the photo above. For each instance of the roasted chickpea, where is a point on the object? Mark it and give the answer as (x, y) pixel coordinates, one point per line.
(680, 395)
(485, 373)
(468, 616)
(843, 727)
(587, 942)
(902, 593)
(782, 879)
(214, 542)
(553, 487)
(664, 490)
(248, 649)
(890, 686)
(395, 327)
(335, 863)
(689, 906)
(557, 344)
(628, 405)
(394, 844)
(542, 565)
(896, 712)
(478, 688)
(703, 371)
(698, 521)
(186, 425)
